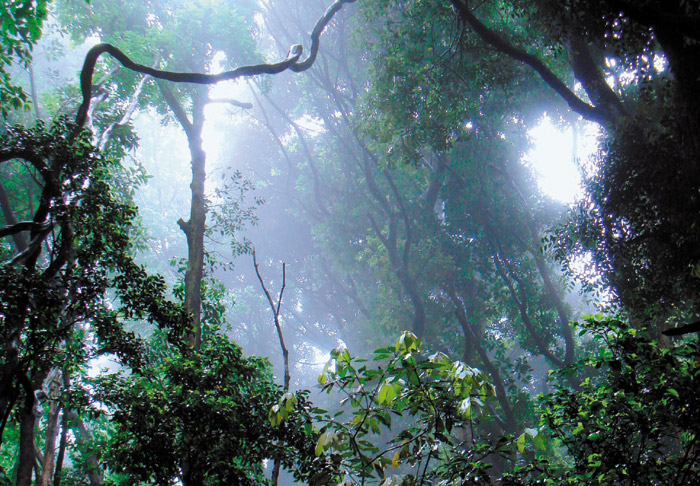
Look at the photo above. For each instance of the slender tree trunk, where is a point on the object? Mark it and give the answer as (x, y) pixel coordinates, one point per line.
(26, 456)
(194, 227)
(18, 239)
(508, 423)
(275, 307)
(83, 438)
(50, 446)
(61, 451)
(34, 93)
(552, 291)
(195, 237)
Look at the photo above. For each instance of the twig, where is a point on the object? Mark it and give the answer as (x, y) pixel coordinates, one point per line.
(285, 352)
(276, 314)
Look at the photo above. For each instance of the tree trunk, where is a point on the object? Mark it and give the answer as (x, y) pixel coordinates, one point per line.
(83, 439)
(195, 238)
(19, 239)
(50, 446)
(61, 451)
(26, 455)
(34, 93)
(194, 227)
(508, 423)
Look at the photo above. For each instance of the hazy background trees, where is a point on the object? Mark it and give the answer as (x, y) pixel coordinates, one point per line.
(391, 180)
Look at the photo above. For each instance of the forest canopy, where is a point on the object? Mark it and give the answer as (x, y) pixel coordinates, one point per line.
(306, 242)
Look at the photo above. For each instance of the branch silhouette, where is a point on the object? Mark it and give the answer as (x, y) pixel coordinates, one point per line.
(293, 63)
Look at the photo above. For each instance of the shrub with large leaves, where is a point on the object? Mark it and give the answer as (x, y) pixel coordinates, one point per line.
(410, 418)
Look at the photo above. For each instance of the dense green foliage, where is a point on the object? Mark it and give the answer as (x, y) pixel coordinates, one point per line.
(636, 423)
(21, 28)
(397, 193)
(202, 415)
(433, 402)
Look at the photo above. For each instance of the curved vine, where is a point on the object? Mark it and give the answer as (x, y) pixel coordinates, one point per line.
(292, 62)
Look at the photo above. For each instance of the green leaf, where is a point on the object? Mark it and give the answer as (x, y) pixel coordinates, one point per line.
(319, 447)
(465, 408)
(407, 343)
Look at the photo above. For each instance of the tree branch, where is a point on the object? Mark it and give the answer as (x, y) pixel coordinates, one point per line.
(276, 313)
(231, 101)
(589, 112)
(285, 352)
(177, 109)
(21, 226)
(33, 248)
(292, 62)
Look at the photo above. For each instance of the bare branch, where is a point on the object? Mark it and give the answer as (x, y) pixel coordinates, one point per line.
(133, 104)
(276, 314)
(231, 101)
(285, 352)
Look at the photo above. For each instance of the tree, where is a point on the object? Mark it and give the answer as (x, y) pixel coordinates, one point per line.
(643, 239)
(642, 398)
(69, 199)
(203, 418)
(55, 288)
(194, 228)
(21, 29)
(429, 210)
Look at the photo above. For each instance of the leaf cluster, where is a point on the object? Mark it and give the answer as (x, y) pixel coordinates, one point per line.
(636, 422)
(411, 413)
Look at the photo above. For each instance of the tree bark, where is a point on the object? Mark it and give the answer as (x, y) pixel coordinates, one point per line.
(8, 213)
(50, 446)
(27, 456)
(195, 226)
(61, 451)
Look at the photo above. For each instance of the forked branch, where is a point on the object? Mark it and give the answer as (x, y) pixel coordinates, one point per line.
(285, 352)
(275, 307)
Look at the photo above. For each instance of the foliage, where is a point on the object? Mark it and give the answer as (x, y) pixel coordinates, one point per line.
(231, 213)
(21, 28)
(635, 423)
(436, 223)
(67, 291)
(89, 247)
(201, 416)
(413, 413)
(78, 302)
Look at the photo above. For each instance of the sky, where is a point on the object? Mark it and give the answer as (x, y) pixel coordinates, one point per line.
(556, 154)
